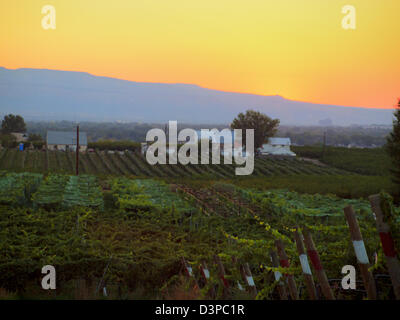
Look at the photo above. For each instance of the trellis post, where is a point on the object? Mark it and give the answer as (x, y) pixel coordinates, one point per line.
(188, 270)
(248, 278)
(316, 262)
(221, 274)
(235, 263)
(284, 262)
(387, 244)
(360, 251)
(205, 273)
(305, 266)
(278, 276)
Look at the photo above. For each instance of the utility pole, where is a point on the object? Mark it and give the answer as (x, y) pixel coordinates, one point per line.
(77, 150)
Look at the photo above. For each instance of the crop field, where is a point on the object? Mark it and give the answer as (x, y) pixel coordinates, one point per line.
(135, 238)
(374, 161)
(134, 164)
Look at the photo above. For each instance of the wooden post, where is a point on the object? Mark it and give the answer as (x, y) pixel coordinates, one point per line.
(188, 270)
(235, 263)
(248, 278)
(278, 277)
(77, 150)
(305, 266)
(284, 262)
(221, 274)
(316, 262)
(387, 244)
(205, 273)
(361, 253)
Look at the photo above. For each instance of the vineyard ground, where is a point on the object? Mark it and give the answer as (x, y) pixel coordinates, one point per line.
(133, 222)
(146, 226)
(294, 174)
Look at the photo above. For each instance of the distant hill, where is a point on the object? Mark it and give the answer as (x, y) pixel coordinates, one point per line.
(41, 94)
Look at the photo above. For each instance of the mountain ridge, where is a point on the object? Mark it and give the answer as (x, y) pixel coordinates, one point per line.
(46, 94)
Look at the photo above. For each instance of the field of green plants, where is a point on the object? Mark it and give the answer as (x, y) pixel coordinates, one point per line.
(341, 178)
(129, 236)
(134, 164)
(373, 162)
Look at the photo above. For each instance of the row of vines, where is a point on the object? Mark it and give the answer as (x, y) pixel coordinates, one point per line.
(134, 164)
(137, 242)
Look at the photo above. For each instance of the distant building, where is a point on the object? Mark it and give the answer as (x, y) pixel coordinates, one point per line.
(277, 146)
(20, 137)
(65, 140)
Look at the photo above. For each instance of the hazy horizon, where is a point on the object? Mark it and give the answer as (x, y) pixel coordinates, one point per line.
(43, 94)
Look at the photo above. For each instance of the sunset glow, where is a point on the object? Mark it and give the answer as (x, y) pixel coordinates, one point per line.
(297, 49)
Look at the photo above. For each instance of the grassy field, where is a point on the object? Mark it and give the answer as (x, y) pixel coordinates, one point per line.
(375, 162)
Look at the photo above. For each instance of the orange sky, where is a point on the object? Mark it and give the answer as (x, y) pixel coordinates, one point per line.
(294, 48)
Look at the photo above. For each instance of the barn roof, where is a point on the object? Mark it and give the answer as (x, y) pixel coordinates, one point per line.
(66, 137)
(280, 141)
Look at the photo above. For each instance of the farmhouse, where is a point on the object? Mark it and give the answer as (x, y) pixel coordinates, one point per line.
(277, 146)
(20, 137)
(65, 140)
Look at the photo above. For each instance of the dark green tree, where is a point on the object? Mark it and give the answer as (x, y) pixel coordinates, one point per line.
(12, 123)
(35, 137)
(8, 141)
(264, 127)
(393, 145)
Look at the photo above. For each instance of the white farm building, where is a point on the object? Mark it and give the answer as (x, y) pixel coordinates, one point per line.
(277, 146)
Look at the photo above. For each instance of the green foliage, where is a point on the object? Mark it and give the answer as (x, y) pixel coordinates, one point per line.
(345, 186)
(392, 217)
(366, 161)
(393, 146)
(101, 163)
(65, 191)
(16, 189)
(51, 190)
(35, 137)
(13, 123)
(155, 224)
(120, 145)
(83, 190)
(8, 141)
(264, 127)
(129, 196)
(145, 195)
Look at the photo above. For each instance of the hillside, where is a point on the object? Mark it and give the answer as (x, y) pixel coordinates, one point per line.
(39, 94)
